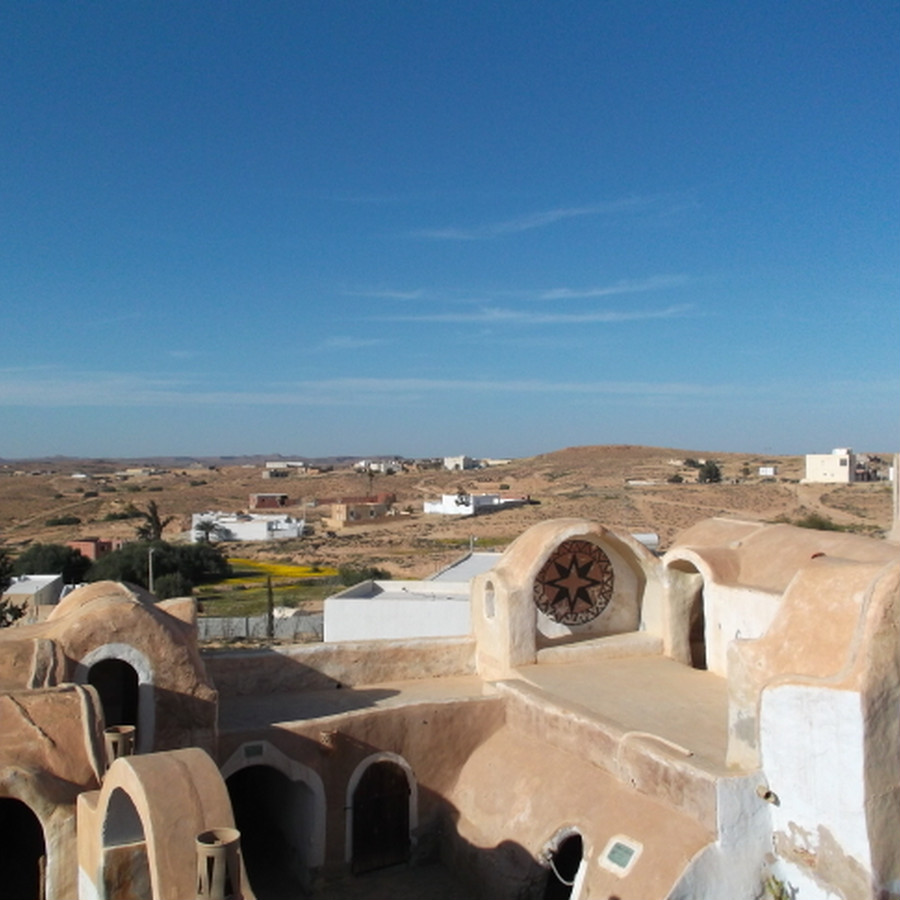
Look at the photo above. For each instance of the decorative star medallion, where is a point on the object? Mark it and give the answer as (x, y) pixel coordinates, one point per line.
(576, 584)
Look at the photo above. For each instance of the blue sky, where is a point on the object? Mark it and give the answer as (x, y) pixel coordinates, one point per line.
(426, 228)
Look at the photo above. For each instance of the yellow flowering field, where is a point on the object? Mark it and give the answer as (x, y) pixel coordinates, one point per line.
(275, 570)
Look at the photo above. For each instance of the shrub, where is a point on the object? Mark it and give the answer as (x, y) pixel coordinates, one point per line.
(675, 479)
(63, 520)
(818, 522)
(349, 575)
(172, 585)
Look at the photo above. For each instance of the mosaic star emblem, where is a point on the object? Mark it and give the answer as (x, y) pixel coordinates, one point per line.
(576, 584)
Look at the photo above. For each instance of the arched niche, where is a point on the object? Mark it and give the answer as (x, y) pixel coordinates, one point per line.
(587, 586)
(382, 813)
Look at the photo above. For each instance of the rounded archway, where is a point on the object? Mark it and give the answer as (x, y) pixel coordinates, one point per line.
(126, 866)
(277, 819)
(117, 684)
(24, 851)
(382, 805)
(688, 609)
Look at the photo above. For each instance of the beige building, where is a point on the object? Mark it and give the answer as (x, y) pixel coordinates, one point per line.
(838, 467)
(715, 723)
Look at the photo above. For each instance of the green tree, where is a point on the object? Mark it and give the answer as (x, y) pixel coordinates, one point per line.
(9, 611)
(709, 473)
(53, 559)
(153, 525)
(196, 563)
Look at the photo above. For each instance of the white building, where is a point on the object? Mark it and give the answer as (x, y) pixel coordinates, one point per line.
(837, 467)
(460, 462)
(470, 504)
(396, 610)
(244, 527)
(31, 592)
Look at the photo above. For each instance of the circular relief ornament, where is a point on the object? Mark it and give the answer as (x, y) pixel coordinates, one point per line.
(576, 584)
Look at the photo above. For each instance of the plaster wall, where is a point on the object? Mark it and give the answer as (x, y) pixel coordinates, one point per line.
(734, 613)
(374, 618)
(812, 742)
(321, 666)
(52, 749)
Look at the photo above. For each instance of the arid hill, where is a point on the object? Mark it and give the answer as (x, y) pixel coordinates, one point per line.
(624, 486)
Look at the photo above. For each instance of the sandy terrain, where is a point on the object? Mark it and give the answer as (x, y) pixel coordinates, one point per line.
(621, 486)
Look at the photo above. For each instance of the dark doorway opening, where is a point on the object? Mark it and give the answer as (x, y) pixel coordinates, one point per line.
(697, 632)
(276, 818)
(24, 851)
(564, 863)
(117, 684)
(381, 818)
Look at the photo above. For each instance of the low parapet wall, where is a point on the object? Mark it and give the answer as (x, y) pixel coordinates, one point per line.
(320, 666)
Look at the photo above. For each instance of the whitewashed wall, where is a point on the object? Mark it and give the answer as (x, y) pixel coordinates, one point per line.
(374, 618)
(811, 739)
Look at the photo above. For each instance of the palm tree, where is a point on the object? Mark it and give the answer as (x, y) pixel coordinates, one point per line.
(153, 525)
(207, 529)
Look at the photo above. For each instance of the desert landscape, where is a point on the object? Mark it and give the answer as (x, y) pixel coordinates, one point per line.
(626, 487)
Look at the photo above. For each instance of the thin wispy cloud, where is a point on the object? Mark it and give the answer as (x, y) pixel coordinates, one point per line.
(500, 315)
(345, 342)
(625, 286)
(38, 388)
(529, 221)
(386, 294)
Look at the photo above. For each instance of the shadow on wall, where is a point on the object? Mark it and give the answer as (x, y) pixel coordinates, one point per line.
(374, 821)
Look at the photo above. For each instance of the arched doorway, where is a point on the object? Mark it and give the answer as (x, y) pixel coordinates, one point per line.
(564, 863)
(689, 611)
(117, 684)
(126, 867)
(380, 806)
(24, 851)
(276, 819)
